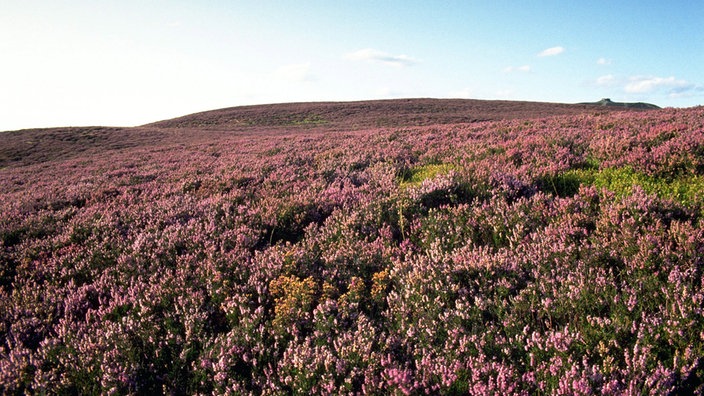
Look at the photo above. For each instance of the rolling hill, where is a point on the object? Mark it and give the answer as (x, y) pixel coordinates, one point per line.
(387, 247)
(39, 145)
(371, 114)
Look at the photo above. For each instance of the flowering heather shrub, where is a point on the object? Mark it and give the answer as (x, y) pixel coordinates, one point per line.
(561, 255)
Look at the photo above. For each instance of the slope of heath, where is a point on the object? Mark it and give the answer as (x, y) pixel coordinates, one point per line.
(561, 254)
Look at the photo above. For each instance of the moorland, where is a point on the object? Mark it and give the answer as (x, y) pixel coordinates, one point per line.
(417, 246)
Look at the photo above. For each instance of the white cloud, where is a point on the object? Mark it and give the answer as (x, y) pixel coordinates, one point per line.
(606, 81)
(642, 84)
(372, 55)
(603, 61)
(299, 72)
(552, 51)
(511, 69)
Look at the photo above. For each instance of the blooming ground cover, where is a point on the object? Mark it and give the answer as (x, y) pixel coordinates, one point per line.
(559, 255)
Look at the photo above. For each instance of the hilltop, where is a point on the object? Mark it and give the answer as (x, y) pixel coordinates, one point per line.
(371, 114)
(606, 102)
(31, 146)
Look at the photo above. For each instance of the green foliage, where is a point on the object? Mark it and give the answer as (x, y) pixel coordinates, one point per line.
(684, 189)
(311, 119)
(415, 176)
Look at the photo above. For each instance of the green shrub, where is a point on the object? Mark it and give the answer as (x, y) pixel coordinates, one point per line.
(415, 176)
(685, 189)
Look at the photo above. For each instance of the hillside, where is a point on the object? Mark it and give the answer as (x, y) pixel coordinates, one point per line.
(371, 114)
(40, 145)
(560, 255)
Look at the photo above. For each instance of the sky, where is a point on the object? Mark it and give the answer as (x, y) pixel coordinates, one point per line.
(128, 62)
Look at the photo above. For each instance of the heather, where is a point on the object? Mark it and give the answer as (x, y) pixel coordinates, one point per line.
(558, 255)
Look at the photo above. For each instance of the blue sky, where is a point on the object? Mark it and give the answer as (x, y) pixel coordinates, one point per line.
(125, 63)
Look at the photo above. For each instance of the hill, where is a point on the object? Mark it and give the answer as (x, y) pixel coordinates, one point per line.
(32, 146)
(371, 114)
(557, 255)
(606, 102)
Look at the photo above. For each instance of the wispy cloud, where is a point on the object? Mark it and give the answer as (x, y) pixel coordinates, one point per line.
(647, 84)
(641, 85)
(552, 51)
(372, 55)
(299, 72)
(603, 61)
(606, 81)
(511, 69)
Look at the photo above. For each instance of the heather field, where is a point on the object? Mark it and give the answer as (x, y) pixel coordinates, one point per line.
(560, 255)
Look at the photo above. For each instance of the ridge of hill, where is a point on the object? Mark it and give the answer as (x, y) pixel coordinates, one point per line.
(31, 146)
(606, 102)
(371, 114)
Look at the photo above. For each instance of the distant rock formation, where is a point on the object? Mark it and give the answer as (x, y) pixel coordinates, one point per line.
(606, 102)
